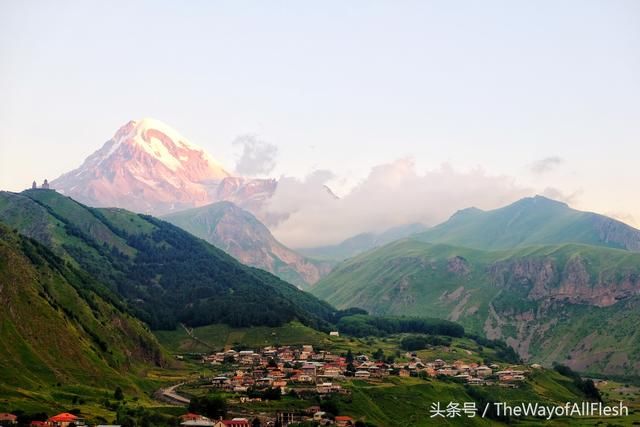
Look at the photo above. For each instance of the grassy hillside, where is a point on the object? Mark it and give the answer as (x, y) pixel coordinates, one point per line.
(64, 334)
(164, 273)
(548, 302)
(407, 401)
(532, 221)
(205, 339)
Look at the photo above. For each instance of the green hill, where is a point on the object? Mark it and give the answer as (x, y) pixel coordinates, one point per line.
(63, 333)
(240, 234)
(164, 273)
(531, 221)
(575, 304)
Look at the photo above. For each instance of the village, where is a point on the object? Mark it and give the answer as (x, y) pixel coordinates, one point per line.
(303, 369)
(255, 376)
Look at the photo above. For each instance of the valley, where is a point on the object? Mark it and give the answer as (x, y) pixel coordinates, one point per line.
(102, 273)
(123, 317)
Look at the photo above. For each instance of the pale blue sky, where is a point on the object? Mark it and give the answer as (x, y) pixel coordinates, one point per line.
(341, 85)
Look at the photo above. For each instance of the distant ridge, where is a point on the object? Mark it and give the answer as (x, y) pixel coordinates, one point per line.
(532, 221)
(361, 243)
(240, 234)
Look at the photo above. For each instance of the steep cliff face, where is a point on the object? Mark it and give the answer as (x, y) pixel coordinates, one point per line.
(239, 233)
(545, 280)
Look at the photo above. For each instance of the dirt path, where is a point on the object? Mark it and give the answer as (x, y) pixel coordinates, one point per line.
(189, 332)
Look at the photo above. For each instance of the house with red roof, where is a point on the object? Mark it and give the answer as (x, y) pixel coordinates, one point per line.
(190, 416)
(64, 420)
(344, 421)
(235, 422)
(8, 419)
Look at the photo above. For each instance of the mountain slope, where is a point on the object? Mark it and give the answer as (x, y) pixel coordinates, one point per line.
(149, 167)
(532, 221)
(59, 325)
(548, 302)
(241, 235)
(362, 242)
(165, 273)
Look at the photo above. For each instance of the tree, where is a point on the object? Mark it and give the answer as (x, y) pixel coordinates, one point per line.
(351, 369)
(272, 394)
(378, 354)
(330, 406)
(212, 406)
(349, 358)
(118, 394)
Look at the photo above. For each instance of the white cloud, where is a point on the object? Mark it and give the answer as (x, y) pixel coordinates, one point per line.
(557, 194)
(545, 165)
(257, 157)
(392, 194)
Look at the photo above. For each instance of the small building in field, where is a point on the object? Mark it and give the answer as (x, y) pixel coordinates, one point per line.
(483, 371)
(65, 419)
(197, 423)
(362, 374)
(8, 419)
(234, 422)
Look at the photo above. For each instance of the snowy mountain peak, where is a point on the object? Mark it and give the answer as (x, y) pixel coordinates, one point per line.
(147, 166)
(162, 143)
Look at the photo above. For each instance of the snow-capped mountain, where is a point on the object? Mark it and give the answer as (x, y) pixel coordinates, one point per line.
(149, 167)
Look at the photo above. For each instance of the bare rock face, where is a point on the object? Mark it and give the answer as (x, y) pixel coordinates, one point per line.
(149, 167)
(458, 266)
(535, 274)
(545, 281)
(616, 233)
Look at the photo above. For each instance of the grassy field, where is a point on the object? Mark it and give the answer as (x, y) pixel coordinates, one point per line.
(219, 337)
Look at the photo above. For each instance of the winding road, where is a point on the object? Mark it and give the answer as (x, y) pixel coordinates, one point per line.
(169, 395)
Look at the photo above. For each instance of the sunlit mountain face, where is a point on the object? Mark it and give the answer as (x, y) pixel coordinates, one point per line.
(149, 167)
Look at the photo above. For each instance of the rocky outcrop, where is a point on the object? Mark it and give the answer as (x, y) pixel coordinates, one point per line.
(458, 266)
(616, 233)
(544, 280)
